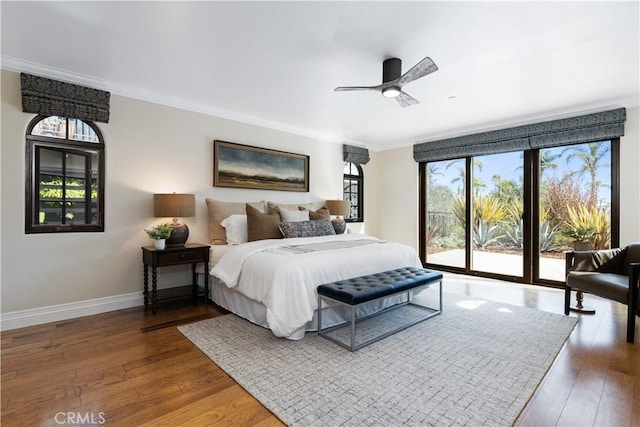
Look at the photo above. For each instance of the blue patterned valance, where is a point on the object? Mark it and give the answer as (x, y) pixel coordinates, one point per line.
(355, 154)
(55, 98)
(554, 133)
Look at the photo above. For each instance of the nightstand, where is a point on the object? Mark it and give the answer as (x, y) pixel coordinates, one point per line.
(190, 253)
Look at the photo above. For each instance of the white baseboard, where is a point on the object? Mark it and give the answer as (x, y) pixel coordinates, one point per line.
(55, 313)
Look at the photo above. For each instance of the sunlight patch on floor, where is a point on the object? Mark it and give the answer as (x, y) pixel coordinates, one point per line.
(470, 304)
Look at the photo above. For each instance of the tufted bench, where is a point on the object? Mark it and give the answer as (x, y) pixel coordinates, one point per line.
(362, 290)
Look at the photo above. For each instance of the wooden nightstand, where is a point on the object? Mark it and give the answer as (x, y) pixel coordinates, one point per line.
(190, 253)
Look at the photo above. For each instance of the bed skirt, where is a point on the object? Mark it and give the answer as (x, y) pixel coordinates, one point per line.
(256, 312)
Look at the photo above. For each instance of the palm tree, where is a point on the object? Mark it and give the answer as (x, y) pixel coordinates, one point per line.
(592, 156)
(547, 161)
(460, 180)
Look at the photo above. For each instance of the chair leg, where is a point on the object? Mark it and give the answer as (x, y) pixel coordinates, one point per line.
(579, 308)
(567, 299)
(579, 299)
(632, 303)
(631, 324)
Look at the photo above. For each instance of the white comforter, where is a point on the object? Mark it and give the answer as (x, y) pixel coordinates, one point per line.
(286, 282)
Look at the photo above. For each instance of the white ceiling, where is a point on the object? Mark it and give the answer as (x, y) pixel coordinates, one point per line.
(276, 63)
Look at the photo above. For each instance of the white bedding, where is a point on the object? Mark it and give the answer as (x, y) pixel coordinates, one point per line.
(285, 280)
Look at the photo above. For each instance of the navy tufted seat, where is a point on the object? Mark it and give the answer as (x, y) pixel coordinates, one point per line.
(361, 290)
(366, 288)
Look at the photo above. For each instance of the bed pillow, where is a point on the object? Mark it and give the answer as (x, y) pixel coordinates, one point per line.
(321, 213)
(288, 215)
(262, 226)
(219, 210)
(236, 227)
(312, 228)
(294, 206)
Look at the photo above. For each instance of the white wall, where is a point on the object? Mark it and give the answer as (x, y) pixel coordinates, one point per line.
(630, 179)
(397, 207)
(396, 196)
(149, 148)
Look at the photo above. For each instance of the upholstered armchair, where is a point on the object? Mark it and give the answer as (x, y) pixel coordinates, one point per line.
(611, 273)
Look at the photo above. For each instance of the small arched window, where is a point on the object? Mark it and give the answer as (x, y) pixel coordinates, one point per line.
(65, 176)
(353, 184)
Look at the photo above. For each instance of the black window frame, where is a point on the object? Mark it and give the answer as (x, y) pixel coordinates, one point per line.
(531, 219)
(359, 195)
(36, 143)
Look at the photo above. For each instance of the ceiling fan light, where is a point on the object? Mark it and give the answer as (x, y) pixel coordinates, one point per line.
(391, 91)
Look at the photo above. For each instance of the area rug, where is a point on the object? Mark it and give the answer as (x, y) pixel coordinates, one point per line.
(477, 363)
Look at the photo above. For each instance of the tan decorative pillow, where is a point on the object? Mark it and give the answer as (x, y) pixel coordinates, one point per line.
(219, 210)
(262, 225)
(321, 213)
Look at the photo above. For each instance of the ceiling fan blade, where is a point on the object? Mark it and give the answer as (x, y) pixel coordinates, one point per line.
(406, 100)
(346, 88)
(421, 69)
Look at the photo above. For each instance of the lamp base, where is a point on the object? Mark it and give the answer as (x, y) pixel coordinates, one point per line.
(179, 235)
(339, 225)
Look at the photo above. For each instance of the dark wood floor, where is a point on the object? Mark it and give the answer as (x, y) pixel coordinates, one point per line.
(132, 368)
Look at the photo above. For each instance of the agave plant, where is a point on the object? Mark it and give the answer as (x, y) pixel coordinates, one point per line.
(513, 232)
(513, 225)
(485, 234)
(548, 236)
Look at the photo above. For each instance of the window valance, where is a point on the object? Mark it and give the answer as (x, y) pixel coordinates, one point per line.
(554, 133)
(355, 154)
(55, 98)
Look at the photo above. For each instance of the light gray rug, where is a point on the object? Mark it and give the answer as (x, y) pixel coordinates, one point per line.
(477, 363)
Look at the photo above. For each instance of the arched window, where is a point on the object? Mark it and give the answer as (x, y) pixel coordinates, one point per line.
(65, 176)
(353, 184)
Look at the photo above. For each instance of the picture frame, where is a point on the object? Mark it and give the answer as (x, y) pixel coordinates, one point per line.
(245, 166)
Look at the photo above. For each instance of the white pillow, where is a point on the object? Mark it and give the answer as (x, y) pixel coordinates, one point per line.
(288, 215)
(236, 228)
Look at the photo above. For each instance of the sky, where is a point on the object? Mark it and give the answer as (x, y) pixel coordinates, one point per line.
(509, 166)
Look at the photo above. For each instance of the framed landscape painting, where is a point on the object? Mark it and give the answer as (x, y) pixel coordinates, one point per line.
(244, 166)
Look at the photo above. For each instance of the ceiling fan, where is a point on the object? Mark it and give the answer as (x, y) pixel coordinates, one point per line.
(392, 81)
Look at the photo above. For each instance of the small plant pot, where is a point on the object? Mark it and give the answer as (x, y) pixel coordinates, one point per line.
(160, 243)
(581, 246)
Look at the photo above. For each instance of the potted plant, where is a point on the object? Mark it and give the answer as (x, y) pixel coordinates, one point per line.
(160, 233)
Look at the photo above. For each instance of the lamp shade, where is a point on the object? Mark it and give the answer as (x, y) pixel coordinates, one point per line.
(338, 207)
(174, 205)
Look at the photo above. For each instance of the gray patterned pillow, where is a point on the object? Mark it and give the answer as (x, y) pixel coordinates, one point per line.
(316, 227)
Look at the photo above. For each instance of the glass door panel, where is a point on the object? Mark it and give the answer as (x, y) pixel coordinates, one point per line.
(445, 213)
(574, 201)
(497, 201)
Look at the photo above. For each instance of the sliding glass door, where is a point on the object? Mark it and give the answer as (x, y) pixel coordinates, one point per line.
(575, 203)
(513, 215)
(445, 214)
(497, 229)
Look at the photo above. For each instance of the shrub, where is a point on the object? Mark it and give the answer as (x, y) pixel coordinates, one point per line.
(588, 224)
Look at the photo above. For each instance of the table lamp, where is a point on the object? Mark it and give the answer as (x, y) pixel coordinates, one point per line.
(175, 205)
(339, 208)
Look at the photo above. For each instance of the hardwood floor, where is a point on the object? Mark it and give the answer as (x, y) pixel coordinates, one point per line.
(130, 367)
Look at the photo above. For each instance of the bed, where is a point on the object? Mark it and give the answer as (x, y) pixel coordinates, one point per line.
(271, 281)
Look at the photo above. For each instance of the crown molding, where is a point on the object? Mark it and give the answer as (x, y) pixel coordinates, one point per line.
(23, 66)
